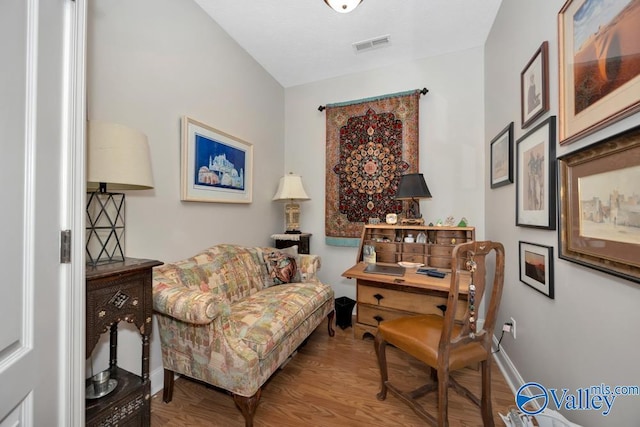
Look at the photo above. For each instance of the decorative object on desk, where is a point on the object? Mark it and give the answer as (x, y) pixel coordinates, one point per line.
(463, 222)
(370, 143)
(534, 86)
(215, 166)
(411, 187)
(343, 6)
(290, 189)
(599, 73)
(421, 238)
(118, 157)
(536, 267)
(101, 385)
(450, 221)
(408, 264)
(369, 254)
(536, 172)
(374, 221)
(501, 167)
(439, 223)
(599, 224)
(392, 218)
(409, 238)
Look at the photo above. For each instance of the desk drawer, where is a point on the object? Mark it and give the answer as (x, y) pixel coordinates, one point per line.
(399, 300)
(372, 315)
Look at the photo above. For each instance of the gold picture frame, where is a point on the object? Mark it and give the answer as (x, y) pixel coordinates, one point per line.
(600, 205)
(599, 65)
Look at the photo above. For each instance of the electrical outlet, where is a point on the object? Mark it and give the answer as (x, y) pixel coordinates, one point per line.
(513, 328)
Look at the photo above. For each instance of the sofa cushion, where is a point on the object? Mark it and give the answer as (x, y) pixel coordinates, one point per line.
(264, 319)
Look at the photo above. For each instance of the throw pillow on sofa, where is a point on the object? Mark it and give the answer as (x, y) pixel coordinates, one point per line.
(282, 267)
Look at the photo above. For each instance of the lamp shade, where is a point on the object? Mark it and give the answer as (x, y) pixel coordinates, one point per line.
(343, 6)
(290, 188)
(118, 156)
(412, 186)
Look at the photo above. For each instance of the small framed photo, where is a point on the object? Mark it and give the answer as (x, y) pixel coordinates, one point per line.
(600, 205)
(536, 177)
(536, 267)
(501, 158)
(534, 86)
(216, 166)
(599, 67)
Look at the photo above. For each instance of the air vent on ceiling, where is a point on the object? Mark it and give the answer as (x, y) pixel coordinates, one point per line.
(374, 43)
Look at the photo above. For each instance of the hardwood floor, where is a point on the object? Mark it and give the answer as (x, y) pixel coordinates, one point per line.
(329, 382)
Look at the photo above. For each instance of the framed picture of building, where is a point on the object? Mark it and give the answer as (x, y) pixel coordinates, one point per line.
(215, 166)
(600, 205)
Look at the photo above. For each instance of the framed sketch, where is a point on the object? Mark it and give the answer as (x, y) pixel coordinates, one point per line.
(599, 64)
(600, 205)
(501, 155)
(216, 167)
(536, 267)
(534, 86)
(535, 177)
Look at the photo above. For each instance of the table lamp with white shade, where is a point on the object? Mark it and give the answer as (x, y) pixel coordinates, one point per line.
(290, 189)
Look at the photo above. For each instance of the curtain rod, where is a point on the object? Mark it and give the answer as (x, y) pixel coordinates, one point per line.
(422, 91)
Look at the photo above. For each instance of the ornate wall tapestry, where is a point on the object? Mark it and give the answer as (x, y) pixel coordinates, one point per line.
(370, 144)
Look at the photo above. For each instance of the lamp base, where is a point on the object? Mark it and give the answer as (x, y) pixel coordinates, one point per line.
(105, 227)
(293, 232)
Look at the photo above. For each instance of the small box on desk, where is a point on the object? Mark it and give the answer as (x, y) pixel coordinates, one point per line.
(344, 311)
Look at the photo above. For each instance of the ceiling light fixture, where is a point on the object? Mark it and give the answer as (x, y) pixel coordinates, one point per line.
(343, 6)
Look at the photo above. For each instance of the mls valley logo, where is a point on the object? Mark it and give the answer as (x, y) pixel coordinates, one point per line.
(595, 398)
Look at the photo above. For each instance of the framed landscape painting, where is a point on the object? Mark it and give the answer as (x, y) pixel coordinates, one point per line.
(501, 158)
(216, 167)
(600, 205)
(536, 267)
(599, 50)
(535, 177)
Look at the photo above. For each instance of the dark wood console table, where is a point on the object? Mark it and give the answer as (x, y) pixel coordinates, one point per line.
(117, 292)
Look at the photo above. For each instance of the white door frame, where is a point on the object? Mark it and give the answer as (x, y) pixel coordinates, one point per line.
(71, 397)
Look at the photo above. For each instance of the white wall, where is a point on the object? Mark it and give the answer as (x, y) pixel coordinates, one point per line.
(451, 143)
(588, 334)
(149, 63)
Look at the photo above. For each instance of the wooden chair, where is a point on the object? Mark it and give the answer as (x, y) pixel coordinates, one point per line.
(446, 344)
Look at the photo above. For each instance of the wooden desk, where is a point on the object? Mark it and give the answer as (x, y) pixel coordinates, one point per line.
(381, 297)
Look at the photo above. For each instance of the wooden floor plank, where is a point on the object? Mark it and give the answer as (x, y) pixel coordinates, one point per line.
(329, 382)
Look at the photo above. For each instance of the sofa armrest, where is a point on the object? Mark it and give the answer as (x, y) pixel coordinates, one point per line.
(188, 305)
(309, 266)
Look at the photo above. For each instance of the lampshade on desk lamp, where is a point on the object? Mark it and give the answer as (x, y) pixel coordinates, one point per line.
(412, 187)
(118, 157)
(290, 189)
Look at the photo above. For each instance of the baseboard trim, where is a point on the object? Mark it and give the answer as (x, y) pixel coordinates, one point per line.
(157, 380)
(511, 375)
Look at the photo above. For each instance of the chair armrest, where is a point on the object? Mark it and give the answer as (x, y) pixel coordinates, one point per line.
(309, 266)
(188, 305)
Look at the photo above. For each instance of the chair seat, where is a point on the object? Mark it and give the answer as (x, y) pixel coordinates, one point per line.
(420, 337)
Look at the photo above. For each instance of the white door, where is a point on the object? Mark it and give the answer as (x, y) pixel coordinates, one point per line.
(34, 194)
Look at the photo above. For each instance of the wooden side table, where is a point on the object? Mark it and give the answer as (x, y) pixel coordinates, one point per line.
(120, 292)
(287, 240)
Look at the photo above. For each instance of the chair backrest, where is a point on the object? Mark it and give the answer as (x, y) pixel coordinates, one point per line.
(473, 255)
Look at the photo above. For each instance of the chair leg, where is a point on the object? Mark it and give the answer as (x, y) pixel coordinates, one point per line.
(443, 397)
(248, 406)
(330, 317)
(485, 407)
(167, 392)
(380, 345)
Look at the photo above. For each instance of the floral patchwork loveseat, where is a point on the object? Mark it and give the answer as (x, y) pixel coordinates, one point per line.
(228, 317)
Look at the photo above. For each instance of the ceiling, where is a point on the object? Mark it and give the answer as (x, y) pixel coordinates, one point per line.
(302, 41)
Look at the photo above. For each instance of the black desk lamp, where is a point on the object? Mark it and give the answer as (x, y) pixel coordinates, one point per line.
(412, 187)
